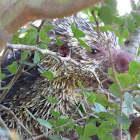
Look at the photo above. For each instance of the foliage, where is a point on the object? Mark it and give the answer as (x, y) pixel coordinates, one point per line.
(99, 112)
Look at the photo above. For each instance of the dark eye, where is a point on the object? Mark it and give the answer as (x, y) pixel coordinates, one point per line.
(95, 51)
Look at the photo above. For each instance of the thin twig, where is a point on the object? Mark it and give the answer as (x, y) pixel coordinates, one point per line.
(136, 107)
(38, 29)
(44, 52)
(75, 121)
(113, 70)
(16, 119)
(20, 70)
(130, 87)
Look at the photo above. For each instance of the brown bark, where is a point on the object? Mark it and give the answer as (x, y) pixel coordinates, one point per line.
(14, 13)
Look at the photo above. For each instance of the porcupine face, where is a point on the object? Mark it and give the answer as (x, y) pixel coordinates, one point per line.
(92, 64)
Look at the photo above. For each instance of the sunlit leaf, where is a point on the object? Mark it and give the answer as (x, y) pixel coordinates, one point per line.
(44, 123)
(82, 43)
(105, 13)
(30, 113)
(98, 108)
(48, 75)
(36, 58)
(55, 114)
(13, 67)
(51, 99)
(79, 130)
(84, 138)
(123, 120)
(128, 99)
(77, 33)
(90, 130)
(137, 100)
(27, 63)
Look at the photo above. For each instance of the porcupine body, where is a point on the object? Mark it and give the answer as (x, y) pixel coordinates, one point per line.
(87, 67)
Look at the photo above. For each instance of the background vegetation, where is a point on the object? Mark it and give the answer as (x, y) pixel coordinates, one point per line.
(113, 112)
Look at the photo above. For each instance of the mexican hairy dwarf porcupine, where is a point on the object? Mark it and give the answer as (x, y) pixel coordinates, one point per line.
(90, 69)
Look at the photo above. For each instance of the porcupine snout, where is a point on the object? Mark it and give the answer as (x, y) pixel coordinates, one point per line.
(122, 60)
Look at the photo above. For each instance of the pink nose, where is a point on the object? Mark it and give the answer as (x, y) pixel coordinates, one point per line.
(121, 61)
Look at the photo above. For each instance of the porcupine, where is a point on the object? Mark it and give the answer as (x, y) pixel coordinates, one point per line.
(88, 67)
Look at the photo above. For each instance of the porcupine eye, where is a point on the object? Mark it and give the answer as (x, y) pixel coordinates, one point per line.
(95, 51)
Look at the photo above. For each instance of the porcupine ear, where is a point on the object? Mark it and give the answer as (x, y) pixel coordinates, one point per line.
(64, 50)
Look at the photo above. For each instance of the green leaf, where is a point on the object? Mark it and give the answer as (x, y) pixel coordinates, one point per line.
(105, 14)
(43, 46)
(105, 28)
(25, 54)
(44, 123)
(30, 113)
(103, 101)
(27, 63)
(111, 3)
(56, 58)
(98, 108)
(128, 99)
(51, 122)
(65, 138)
(84, 138)
(134, 68)
(124, 79)
(90, 130)
(77, 33)
(59, 42)
(43, 34)
(125, 127)
(118, 20)
(130, 24)
(60, 122)
(40, 70)
(63, 117)
(13, 67)
(2, 76)
(44, 38)
(51, 99)
(29, 38)
(91, 98)
(115, 89)
(54, 137)
(83, 107)
(106, 127)
(80, 84)
(106, 115)
(136, 17)
(82, 43)
(55, 114)
(137, 100)
(36, 58)
(48, 75)
(125, 33)
(79, 130)
(104, 136)
(34, 29)
(123, 120)
(47, 28)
